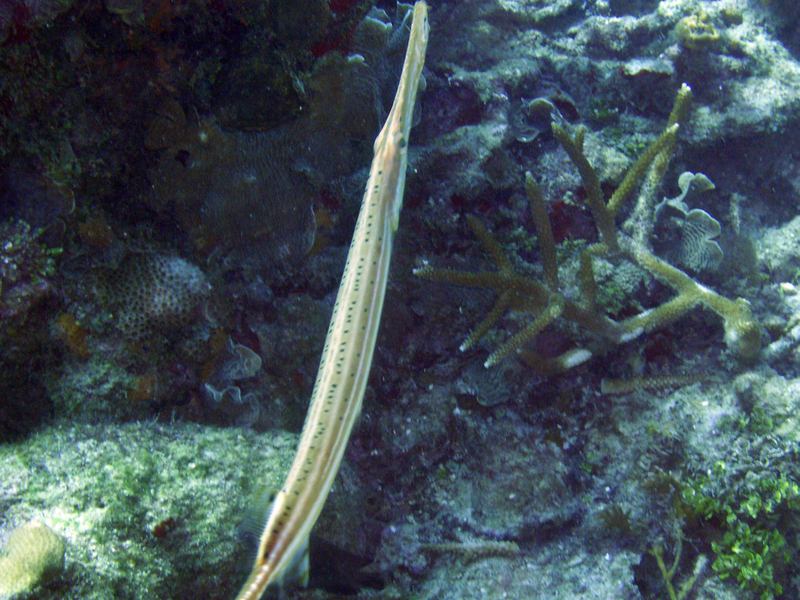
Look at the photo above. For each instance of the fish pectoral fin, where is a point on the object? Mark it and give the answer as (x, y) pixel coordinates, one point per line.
(302, 566)
(296, 572)
(294, 575)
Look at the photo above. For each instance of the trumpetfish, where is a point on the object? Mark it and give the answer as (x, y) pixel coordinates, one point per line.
(347, 355)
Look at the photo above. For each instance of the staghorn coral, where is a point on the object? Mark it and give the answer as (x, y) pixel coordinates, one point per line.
(545, 300)
(33, 555)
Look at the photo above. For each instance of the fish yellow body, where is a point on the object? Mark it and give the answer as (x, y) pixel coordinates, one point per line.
(347, 355)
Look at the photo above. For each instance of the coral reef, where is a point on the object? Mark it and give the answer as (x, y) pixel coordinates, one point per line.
(248, 192)
(18, 17)
(251, 195)
(115, 443)
(693, 245)
(225, 400)
(697, 32)
(124, 482)
(36, 198)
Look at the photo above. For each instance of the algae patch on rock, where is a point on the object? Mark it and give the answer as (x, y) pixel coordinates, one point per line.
(146, 510)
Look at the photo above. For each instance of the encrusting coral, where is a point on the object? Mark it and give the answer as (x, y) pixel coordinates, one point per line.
(697, 32)
(547, 302)
(250, 195)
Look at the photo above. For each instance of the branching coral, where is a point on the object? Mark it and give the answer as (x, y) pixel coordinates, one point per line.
(547, 302)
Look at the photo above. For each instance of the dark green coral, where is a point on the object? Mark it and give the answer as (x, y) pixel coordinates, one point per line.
(26, 267)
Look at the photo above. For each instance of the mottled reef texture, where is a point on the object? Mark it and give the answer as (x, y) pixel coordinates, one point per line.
(178, 187)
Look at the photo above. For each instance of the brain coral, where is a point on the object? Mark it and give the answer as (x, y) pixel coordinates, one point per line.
(33, 555)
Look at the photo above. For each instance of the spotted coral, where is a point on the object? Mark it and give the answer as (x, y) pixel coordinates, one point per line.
(153, 291)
